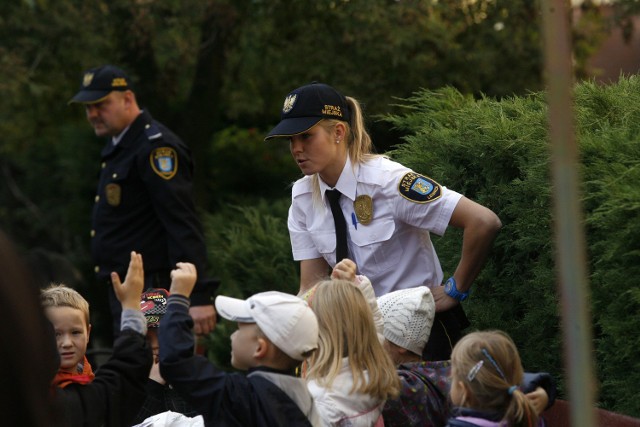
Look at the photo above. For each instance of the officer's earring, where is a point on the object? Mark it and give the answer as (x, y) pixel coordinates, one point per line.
(337, 141)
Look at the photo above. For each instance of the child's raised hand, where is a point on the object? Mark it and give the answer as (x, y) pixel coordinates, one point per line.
(345, 270)
(183, 279)
(128, 293)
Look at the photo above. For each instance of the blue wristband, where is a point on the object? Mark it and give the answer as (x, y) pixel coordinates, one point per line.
(451, 289)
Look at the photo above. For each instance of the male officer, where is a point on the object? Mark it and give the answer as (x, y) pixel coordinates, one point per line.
(144, 201)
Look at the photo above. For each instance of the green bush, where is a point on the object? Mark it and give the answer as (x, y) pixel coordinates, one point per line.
(496, 152)
(243, 167)
(609, 125)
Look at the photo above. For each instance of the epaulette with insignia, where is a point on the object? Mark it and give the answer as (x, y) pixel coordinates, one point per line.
(152, 131)
(419, 188)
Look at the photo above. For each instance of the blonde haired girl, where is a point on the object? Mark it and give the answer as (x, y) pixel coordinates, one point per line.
(350, 375)
(485, 370)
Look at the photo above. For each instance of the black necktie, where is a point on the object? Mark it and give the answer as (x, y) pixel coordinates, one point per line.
(340, 223)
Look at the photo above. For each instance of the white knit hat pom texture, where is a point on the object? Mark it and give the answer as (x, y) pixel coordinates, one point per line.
(408, 317)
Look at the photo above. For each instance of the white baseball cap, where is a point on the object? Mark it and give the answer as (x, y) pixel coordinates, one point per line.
(408, 317)
(285, 319)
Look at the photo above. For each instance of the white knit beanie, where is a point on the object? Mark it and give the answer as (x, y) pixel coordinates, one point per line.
(408, 317)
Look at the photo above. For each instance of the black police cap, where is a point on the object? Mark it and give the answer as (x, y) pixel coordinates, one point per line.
(305, 106)
(99, 82)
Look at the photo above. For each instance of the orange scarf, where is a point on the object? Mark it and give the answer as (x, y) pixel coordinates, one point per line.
(83, 375)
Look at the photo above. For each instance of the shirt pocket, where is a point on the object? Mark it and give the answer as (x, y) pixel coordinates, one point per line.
(116, 189)
(325, 243)
(378, 249)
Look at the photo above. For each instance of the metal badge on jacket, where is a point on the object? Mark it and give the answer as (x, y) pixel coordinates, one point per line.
(363, 206)
(113, 193)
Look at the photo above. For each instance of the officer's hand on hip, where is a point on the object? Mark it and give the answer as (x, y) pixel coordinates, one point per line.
(204, 319)
(443, 301)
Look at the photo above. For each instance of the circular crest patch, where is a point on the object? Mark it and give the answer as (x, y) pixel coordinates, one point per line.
(419, 188)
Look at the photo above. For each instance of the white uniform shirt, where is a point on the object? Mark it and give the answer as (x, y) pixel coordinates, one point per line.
(394, 250)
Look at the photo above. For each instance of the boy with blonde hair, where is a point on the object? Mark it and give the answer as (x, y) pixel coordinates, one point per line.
(276, 332)
(68, 312)
(114, 395)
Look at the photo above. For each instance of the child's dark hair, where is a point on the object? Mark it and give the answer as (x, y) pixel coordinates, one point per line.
(488, 366)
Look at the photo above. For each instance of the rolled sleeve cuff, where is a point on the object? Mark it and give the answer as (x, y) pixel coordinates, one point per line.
(450, 201)
(302, 254)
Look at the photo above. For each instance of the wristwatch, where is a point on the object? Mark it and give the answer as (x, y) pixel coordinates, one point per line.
(451, 290)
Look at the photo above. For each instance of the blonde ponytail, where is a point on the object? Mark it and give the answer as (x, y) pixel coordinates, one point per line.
(520, 412)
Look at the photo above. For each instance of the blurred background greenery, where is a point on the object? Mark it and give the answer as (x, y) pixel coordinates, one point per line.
(452, 88)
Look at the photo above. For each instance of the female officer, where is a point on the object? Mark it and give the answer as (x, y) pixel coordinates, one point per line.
(386, 211)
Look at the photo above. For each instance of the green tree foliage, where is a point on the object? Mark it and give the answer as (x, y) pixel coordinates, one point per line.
(496, 152)
(609, 124)
(201, 66)
(244, 167)
(250, 248)
(375, 48)
(206, 66)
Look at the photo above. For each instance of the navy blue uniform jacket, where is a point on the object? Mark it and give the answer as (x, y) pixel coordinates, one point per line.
(144, 203)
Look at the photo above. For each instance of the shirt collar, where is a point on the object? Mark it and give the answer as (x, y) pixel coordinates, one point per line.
(116, 139)
(347, 183)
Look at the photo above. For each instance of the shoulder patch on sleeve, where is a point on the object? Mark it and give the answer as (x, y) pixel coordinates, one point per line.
(419, 188)
(164, 162)
(152, 131)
